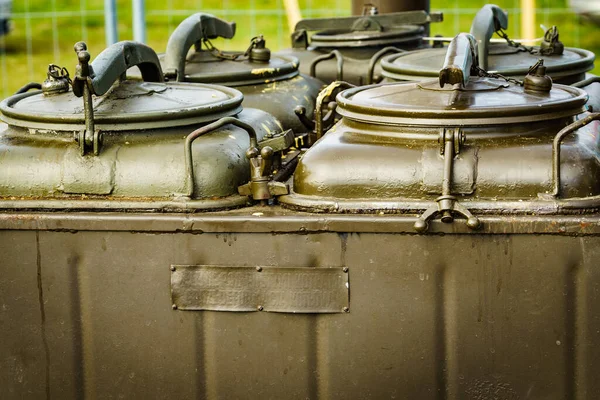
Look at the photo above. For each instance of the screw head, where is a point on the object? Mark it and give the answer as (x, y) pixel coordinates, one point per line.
(346, 309)
(345, 269)
(174, 306)
(173, 268)
(259, 269)
(260, 308)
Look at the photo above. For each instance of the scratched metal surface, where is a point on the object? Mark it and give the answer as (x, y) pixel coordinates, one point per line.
(257, 288)
(465, 316)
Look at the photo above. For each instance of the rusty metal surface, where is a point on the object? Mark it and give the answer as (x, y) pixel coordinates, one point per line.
(270, 289)
(505, 316)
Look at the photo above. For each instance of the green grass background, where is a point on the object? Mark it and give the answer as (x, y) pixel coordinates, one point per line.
(40, 38)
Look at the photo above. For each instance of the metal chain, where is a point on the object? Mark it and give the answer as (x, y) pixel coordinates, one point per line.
(231, 55)
(58, 72)
(520, 47)
(484, 74)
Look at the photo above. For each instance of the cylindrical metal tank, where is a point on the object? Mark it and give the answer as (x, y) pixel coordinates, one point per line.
(350, 48)
(131, 144)
(566, 65)
(269, 82)
(334, 293)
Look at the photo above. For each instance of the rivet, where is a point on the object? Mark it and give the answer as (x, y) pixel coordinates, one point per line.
(345, 269)
(562, 229)
(173, 268)
(260, 308)
(346, 309)
(174, 306)
(259, 269)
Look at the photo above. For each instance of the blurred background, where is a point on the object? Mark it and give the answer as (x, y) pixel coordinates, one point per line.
(44, 31)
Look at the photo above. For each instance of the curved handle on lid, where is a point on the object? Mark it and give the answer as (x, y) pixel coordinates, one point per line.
(461, 57)
(487, 21)
(111, 64)
(189, 32)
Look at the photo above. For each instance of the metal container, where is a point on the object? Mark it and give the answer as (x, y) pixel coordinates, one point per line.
(269, 302)
(134, 145)
(563, 65)
(271, 83)
(490, 139)
(350, 48)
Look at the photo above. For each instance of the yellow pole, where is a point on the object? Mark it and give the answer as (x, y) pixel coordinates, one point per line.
(292, 9)
(527, 19)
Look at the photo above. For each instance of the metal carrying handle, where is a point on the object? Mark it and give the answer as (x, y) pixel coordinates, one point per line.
(488, 20)
(340, 63)
(99, 76)
(192, 30)
(111, 64)
(375, 59)
(461, 57)
(560, 136)
(189, 162)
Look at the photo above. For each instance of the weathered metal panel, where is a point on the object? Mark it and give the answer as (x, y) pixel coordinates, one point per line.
(453, 316)
(24, 362)
(232, 288)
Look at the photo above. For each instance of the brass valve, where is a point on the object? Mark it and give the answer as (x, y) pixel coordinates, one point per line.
(261, 187)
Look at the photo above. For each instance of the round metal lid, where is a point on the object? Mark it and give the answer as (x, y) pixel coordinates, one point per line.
(128, 105)
(202, 66)
(484, 101)
(502, 59)
(349, 38)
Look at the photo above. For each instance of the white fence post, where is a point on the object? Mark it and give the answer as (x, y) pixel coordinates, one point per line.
(139, 21)
(110, 22)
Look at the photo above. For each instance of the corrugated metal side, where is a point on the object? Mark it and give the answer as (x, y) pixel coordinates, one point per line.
(431, 317)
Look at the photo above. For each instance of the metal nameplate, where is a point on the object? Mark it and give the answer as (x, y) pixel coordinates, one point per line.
(275, 289)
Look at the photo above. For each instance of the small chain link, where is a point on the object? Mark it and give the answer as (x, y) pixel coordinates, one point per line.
(58, 72)
(232, 55)
(520, 47)
(484, 74)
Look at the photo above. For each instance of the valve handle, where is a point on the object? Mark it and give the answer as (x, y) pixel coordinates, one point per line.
(190, 31)
(111, 64)
(461, 57)
(488, 20)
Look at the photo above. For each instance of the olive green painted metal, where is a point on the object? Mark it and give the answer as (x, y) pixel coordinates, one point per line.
(564, 65)
(348, 287)
(358, 41)
(129, 143)
(271, 83)
(512, 313)
(490, 144)
(487, 21)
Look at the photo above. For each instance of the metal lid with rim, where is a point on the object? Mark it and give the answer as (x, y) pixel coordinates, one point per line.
(255, 65)
(566, 65)
(129, 105)
(364, 31)
(350, 38)
(205, 67)
(483, 101)
(502, 58)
